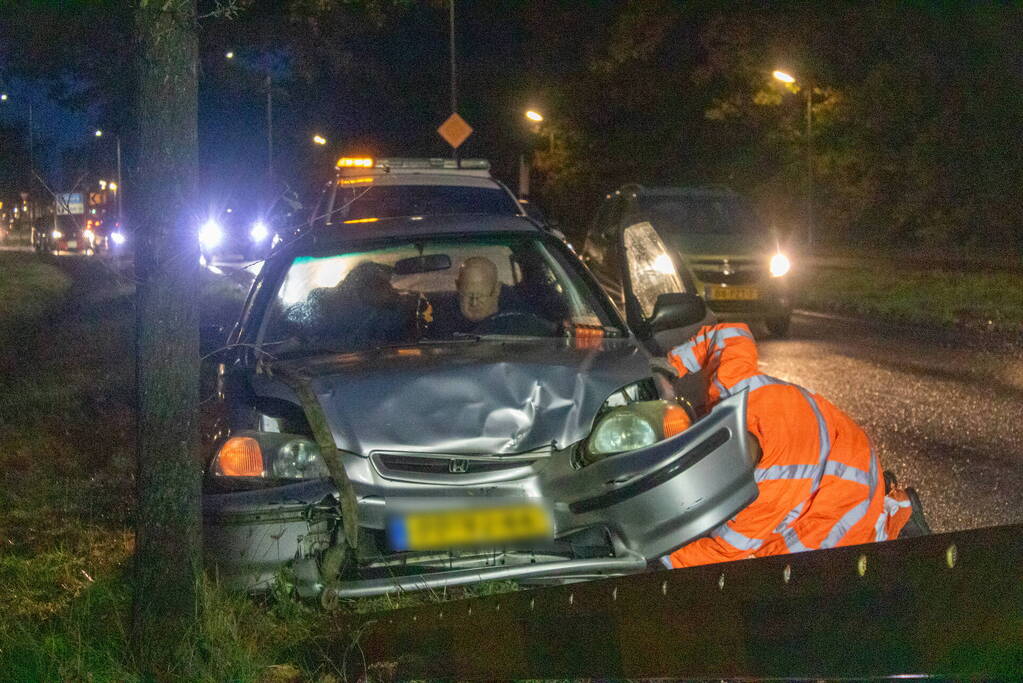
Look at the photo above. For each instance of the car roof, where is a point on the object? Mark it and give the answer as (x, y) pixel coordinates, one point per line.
(403, 227)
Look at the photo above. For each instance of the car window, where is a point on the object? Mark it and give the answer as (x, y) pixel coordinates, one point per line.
(411, 292)
(354, 202)
(652, 271)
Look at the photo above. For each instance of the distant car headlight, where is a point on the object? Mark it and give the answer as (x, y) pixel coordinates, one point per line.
(259, 231)
(117, 237)
(211, 234)
(634, 426)
(269, 455)
(780, 264)
(89, 235)
(56, 234)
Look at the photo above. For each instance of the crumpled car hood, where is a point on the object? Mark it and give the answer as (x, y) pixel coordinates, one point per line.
(474, 397)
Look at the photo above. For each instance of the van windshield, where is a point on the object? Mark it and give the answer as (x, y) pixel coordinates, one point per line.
(710, 215)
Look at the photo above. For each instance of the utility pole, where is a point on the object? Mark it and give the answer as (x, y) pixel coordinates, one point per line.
(454, 71)
(120, 185)
(809, 164)
(269, 132)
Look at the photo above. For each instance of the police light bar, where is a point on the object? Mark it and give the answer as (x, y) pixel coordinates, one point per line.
(355, 162)
(435, 162)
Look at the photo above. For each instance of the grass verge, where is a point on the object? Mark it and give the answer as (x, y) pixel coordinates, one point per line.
(30, 292)
(67, 471)
(975, 300)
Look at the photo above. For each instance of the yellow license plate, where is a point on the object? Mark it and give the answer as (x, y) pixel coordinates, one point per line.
(442, 529)
(733, 293)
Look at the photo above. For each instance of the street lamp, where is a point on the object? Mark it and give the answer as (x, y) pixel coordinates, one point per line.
(116, 187)
(790, 79)
(534, 116)
(319, 140)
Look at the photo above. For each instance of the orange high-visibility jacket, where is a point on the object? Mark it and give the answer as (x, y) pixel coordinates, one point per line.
(820, 481)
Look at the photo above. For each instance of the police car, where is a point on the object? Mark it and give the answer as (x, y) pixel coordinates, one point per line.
(367, 189)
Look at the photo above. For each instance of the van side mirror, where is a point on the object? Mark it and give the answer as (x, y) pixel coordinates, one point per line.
(676, 309)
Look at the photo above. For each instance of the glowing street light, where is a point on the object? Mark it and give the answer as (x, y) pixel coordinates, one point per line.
(3, 97)
(784, 77)
(319, 140)
(534, 116)
(98, 133)
(229, 54)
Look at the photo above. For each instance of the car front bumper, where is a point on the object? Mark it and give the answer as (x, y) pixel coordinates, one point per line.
(650, 501)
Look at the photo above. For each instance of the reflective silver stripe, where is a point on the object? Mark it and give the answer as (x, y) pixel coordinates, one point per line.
(688, 357)
(775, 472)
(792, 516)
(847, 472)
(722, 391)
(880, 532)
(853, 516)
(723, 333)
(754, 382)
(792, 541)
(734, 538)
(666, 561)
(824, 439)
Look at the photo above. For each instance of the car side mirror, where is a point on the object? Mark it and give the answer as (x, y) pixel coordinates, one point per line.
(676, 309)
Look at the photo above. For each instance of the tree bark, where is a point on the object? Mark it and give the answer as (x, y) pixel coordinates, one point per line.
(168, 532)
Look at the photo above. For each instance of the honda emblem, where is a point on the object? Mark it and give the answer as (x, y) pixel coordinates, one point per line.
(458, 466)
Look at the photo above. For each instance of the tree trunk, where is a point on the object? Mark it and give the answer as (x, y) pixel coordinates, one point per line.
(168, 540)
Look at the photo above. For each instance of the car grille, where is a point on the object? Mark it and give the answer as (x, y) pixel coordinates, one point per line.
(741, 272)
(446, 464)
(453, 468)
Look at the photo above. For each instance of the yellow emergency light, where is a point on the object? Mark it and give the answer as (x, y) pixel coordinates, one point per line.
(363, 220)
(355, 162)
(368, 180)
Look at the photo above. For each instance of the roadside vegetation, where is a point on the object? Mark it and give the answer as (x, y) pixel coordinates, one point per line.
(988, 300)
(30, 291)
(67, 472)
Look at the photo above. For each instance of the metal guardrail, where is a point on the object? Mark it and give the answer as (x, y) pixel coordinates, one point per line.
(948, 605)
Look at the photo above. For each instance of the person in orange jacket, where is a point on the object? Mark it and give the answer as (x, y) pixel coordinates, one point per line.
(820, 482)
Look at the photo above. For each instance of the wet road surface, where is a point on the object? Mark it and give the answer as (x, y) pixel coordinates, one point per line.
(945, 412)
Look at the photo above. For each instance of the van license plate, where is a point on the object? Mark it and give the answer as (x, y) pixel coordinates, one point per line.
(733, 293)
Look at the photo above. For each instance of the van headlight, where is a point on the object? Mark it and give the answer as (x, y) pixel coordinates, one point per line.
(780, 264)
(269, 455)
(633, 426)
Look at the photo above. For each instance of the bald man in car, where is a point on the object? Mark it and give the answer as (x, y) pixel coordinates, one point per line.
(479, 291)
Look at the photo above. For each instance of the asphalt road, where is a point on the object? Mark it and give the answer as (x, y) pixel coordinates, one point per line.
(944, 411)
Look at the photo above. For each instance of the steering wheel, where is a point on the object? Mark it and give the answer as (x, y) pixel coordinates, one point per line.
(516, 323)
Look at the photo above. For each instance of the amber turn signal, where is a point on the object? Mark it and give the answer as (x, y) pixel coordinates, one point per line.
(240, 456)
(676, 420)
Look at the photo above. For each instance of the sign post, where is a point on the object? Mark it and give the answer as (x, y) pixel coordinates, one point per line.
(455, 131)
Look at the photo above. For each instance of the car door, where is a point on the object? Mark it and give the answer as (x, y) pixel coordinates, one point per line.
(651, 279)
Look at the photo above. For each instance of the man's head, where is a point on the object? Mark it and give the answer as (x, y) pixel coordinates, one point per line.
(478, 288)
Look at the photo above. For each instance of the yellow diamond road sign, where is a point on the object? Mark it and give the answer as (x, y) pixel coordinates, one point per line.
(455, 130)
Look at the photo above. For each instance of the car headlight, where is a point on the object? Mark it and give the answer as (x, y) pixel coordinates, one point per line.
(89, 235)
(269, 455)
(634, 426)
(117, 237)
(259, 231)
(56, 234)
(780, 264)
(211, 234)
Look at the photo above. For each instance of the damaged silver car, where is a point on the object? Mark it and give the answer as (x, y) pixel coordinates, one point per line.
(433, 401)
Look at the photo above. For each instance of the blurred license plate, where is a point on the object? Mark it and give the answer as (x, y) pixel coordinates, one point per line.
(441, 529)
(72, 244)
(733, 293)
